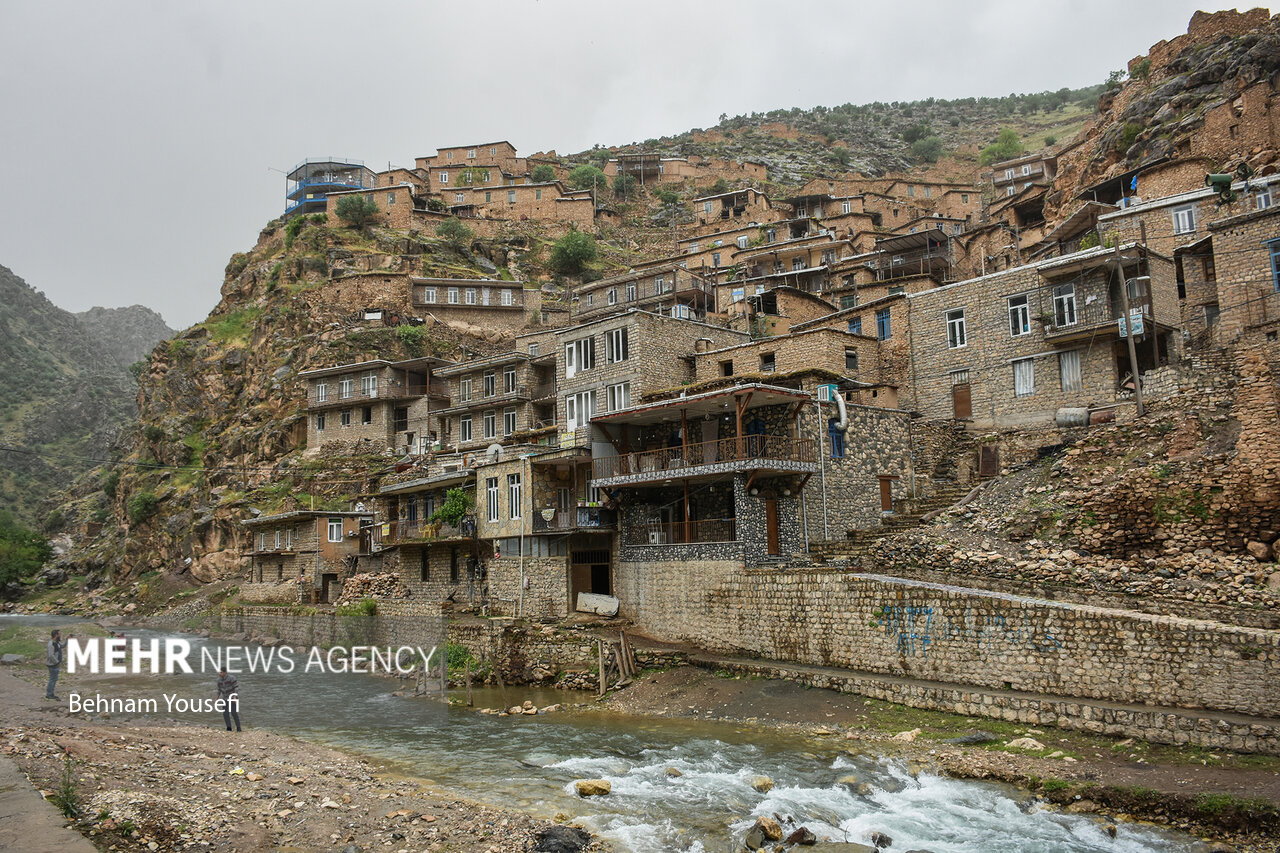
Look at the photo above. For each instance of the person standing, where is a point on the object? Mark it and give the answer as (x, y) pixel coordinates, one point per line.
(53, 660)
(229, 693)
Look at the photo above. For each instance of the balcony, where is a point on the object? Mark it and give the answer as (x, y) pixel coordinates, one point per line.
(378, 391)
(725, 455)
(590, 518)
(1070, 320)
(421, 530)
(681, 532)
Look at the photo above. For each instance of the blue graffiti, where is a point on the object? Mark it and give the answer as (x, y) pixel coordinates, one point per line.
(912, 629)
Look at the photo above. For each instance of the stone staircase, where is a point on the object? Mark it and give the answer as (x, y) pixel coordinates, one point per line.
(859, 542)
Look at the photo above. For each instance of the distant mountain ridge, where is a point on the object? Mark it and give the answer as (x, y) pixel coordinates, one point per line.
(65, 389)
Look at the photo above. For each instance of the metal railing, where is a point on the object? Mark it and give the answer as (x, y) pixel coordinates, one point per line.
(748, 448)
(571, 519)
(1081, 316)
(382, 390)
(681, 532)
(419, 530)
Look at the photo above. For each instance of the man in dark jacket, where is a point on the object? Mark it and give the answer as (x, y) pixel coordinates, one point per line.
(229, 693)
(53, 660)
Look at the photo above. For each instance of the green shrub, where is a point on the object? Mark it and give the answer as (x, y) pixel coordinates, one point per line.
(22, 551)
(572, 252)
(667, 196)
(1142, 70)
(456, 504)
(413, 337)
(841, 154)
(543, 174)
(1128, 136)
(291, 230)
(928, 149)
(1051, 140)
(358, 620)
(141, 506)
(624, 185)
(357, 210)
(66, 794)
(109, 482)
(453, 231)
(1006, 147)
(152, 433)
(587, 177)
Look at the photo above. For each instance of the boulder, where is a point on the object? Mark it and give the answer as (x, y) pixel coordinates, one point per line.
(673, 773)
(973, 737)
(1025, 743)
(769, 828)
(12, 660)
(561, 839)
(880, 841)
(907, 737)
(762, 784)
(802, 836)
(841, 847)
(593, 787)
(1260, 551)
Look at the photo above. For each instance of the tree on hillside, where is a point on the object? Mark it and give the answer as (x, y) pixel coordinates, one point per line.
(624, 185)
(916, 131)
(1006, 147)
(720, 186)
(543, 174)
(455, 232)
(928, 149)
(357, 210)
(841, 154)
(22, 551)
(572, 252)
(587, 177)
(600, 156)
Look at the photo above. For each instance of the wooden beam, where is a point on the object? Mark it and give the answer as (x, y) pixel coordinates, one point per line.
(750, 480)
(803, 481)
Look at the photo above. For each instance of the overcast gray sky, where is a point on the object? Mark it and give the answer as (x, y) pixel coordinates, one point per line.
(139, 137)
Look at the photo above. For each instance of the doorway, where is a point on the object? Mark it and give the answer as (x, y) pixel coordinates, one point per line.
(886, 495)
(962, 401)
(325, 581)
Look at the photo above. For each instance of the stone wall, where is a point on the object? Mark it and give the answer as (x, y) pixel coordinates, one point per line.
(396, 623)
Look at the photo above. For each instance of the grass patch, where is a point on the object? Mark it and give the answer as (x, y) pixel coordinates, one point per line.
(234, 327)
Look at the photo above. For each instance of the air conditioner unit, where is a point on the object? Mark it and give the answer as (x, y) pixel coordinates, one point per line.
(827, 392)
(657, 537)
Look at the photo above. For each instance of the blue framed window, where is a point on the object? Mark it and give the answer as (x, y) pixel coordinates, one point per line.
(837, 438)
(855, 326)
(1274, 247)
(883, 330)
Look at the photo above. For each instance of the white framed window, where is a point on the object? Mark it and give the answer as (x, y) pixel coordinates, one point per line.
(464, 390)
(369, 385)
(771, 235)
(1184, 219)
(660, 284)
(444, 177)
(491, 498)
(335, 530)
(322, 392)
(618, 396)
(344, 418)
(579, 355)
(1263, 199)
(631, 292)
(453, 296)
(508, 420)
(490, 424)
(1024, 377)
(707, 207)
(464, 428)
(743, 241)
(615, 346)
(846, 207)
(511, 196)
(590, 300)
(429, 295)
(508, 380)
(693, 247)
(471, 153)
(490, 383)
(1026, 168)
(1069, 370)
(458, 198)
(578, 409)
(471, 296)
(613, 296)
(508, 298)
(493, 152)
(1064, 305)
(515, 496)
(1019, 315)
(956, 329)
(1009, 190)
(346, 388)
(534, 349)
(1008, 174)
(262, 541)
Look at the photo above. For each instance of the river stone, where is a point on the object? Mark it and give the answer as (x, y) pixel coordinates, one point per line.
(762, 784)
(1260, 551)
(802, 836)
(769, 827)
(880, 840)
(973, 737)
(673, 773)
(849, 781)
(754, 839)
(841, 847)
(12, 660)
(1025, 743)
(561, 839)
(593, 787)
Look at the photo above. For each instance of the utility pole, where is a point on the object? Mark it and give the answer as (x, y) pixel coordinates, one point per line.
(1128, 321)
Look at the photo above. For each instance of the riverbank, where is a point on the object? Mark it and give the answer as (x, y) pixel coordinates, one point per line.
(1231, 800)
(180, 787)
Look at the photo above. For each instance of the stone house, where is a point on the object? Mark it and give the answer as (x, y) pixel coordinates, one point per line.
(712, 254)
(604, 365)
(802, 264)
(1173, 221)
(749, 205)
(377, 405)
(1008, 177)
(668, 288)
(484, 164)
(1013, 348)
(769, 312)
(433, 559)
(492, 401)
(929, 252)
(887, 368)
(542, 202)
(487, 301)
(396, 204)
(306, 554)
(1246, 270)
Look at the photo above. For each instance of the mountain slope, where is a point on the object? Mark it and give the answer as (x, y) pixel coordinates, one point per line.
(128, 334)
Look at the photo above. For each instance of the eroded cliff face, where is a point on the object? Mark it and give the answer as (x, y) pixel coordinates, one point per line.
(1209, 98)
(220, 407)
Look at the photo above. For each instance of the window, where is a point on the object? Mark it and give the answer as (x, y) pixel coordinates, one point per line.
(706, 207)
(534, 349)
(508, 380)
(591, 299)
(346, 388)
(928, 192)
(837, 438)
(613, 296)
(1264, 199)
(1024, 377)
(579, 355)
(1019, 315)
(828, 256)
(508, 420)
(1274, 247)
(490, 383)
(444, 177)
(855, 325)
(1026, 168)
(715, 259)
(1010, 190)
(619, 396)
(1184, 219)
(335, 530)
(578, 409)
(955, 329)
(616, 349)
(366, 415)
(768, 362)
(1069, 370)
(911, 190)
(660, 284)
(429, 295)
(896, 289)
(851, 360)
(884, 330)
(493, 152)
(799, 263)
(846, 207)
(491, 498)
(464, 390)
(471, 153)
(515, 491)
(511, 196)
(726, 368)
(490, 424)
(964, 198)
(464, 428)
(459, 198)
(849, 300)
(693, 247)
(537, 195)
(453, 296)
(369, 385)
(743, 241)
(319, 421)
(771, 235)
(1008, 174)
(344, 419)
(471, 296)
(488, 197)
(508, 298)
(322, 392)
(1064, 305)
(455, 565)
(631, 292)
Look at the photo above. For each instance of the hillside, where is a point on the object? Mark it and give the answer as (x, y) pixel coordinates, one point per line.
(65, 390)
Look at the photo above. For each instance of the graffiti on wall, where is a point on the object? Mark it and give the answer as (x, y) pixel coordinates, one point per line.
(917, 627)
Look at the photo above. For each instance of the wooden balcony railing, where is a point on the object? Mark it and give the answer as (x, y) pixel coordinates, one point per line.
(760, 449)
(681, 532)
(421, 530)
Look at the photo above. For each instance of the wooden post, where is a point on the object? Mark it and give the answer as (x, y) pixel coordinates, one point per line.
(467, 673)
(603, 676)
(628, 653)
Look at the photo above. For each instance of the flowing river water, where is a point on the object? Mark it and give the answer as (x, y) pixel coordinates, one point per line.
(530, 763)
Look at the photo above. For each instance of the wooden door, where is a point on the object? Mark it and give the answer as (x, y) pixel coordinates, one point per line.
(886, 494)
(771, 525)
(961, 401)
(988, 461)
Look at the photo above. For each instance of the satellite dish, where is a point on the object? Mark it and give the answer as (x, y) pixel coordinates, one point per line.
(493, 453)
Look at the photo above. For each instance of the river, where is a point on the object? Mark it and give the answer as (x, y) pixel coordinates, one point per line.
(529, 763)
